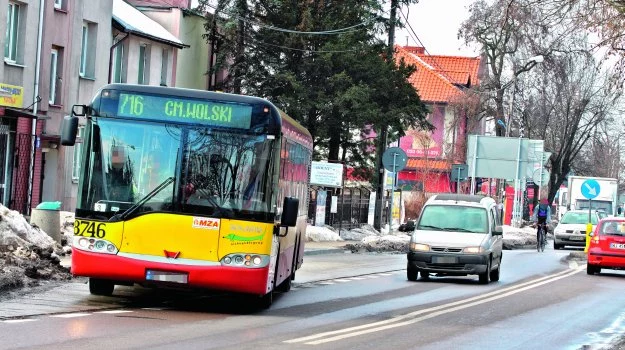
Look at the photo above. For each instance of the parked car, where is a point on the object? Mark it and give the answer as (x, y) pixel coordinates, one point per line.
(571, 229)
(456, 235)
(607, 246)
(408, 226)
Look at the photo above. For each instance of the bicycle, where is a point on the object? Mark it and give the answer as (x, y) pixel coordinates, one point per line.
(541, 239)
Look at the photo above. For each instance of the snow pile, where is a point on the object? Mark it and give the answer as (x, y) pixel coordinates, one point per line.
(67, 228)
(16, 231)
(322, 234)
(27, 254)
(515, 238)
(360, 233)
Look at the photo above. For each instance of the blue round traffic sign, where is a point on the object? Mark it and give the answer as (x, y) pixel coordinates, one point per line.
(590, 188)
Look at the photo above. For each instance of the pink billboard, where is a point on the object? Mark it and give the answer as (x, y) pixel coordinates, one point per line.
(421, 144)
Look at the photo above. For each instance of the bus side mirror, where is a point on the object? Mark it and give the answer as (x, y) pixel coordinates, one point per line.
(69, 130)
(79, 110)
(289, 211)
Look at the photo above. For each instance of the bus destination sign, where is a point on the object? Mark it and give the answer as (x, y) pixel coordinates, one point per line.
(184, 110)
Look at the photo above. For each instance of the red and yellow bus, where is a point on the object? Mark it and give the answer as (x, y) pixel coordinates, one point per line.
(189, 188)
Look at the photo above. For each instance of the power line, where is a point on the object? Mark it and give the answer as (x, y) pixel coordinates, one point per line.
(278, 29)
(416, 39)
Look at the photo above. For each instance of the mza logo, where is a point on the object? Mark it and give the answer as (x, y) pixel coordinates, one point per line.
(206, 223)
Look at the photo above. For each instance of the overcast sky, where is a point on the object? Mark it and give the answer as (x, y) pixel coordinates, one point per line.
(436, 23)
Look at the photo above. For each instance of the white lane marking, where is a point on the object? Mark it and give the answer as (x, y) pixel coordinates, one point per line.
(342, 280)
(78, 314)
(326, 283)
(113, 312)
(20, 321)
(453, 306)
(357, 278)
(386, 274)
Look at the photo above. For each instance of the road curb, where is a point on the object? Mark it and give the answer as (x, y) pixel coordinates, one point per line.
(324, 251)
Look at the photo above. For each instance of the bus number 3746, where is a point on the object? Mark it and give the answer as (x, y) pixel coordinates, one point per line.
(89, 229)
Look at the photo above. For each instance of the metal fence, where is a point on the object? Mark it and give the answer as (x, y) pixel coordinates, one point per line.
(352, 207)
(21, 175)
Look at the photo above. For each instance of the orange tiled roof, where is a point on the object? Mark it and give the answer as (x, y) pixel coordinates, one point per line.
(450, 66)
(432, 164)
(436, 75)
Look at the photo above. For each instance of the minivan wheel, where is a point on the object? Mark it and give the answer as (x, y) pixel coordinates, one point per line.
(485, 277)
(412, 274)
(494, 275)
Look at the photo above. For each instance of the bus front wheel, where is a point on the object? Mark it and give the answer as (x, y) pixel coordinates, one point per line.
(101, 287)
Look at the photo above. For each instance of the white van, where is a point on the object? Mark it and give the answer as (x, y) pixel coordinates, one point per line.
(456, 235)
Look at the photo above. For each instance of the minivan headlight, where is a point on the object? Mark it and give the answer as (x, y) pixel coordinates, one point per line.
(473, 250)
(419, 247)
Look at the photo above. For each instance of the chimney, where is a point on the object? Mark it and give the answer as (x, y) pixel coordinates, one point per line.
(419, 50)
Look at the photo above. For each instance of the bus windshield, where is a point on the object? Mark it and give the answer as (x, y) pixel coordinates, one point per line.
(214, 172)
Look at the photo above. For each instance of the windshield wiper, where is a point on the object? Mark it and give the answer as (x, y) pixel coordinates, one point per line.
(143, 200)
(429, 227)
(457, 229)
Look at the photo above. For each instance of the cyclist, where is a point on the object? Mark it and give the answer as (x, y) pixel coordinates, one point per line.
(542, 216)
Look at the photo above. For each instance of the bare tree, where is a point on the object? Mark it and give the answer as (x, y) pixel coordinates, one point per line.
(570, 99)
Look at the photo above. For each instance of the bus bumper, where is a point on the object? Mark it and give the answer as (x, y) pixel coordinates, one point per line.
(124, 270)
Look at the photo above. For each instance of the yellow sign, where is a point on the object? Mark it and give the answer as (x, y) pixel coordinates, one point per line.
(11, 95)
(396, 205)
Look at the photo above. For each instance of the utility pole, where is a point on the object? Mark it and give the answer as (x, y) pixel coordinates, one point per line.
(382, 141)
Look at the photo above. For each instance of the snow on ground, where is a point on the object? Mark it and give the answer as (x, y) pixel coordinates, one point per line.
(368, 239)
(28, 255)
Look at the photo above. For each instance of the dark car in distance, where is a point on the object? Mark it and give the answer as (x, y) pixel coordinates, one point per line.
(408, 226)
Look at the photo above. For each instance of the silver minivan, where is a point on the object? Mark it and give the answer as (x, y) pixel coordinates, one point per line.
(456, 235)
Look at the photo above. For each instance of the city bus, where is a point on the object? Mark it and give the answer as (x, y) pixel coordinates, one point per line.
(188, 188)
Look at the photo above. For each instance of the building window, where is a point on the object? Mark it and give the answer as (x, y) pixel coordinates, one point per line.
(144, 65)
(54, 61)
(58, 4)
(11, 39)
(118, 64)
(77, 151)
(164, 65)
(83, 50)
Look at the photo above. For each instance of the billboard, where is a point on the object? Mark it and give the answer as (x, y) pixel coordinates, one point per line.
(326, 174)
(11, 95)
(421, 144)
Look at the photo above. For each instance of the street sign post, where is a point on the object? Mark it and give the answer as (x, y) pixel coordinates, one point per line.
(394, 160)
(590, 190)
(459, 172)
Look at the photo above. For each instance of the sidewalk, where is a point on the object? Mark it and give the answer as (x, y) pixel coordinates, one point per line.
(314, 248)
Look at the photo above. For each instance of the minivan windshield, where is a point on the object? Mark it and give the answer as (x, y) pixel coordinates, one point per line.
(578, 217)
(453, 218)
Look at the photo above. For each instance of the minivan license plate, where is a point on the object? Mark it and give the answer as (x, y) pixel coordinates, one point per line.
(617, 245)
(444, 260)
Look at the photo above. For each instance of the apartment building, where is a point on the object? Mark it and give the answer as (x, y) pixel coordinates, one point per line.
(194, 63)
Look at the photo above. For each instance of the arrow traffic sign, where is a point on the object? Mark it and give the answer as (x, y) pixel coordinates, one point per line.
(590, 188)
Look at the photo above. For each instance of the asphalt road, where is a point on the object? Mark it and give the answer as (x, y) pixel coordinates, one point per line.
(341, 301)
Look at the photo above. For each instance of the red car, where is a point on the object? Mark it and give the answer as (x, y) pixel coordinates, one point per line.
(607, 246)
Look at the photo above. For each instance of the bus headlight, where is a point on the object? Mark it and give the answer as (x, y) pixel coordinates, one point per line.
(95, 245)
(245, 260)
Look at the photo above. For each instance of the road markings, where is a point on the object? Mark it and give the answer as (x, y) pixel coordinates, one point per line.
(20, 320)
(113, 312)
(77, 314)
(410, 318)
